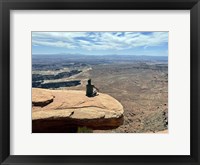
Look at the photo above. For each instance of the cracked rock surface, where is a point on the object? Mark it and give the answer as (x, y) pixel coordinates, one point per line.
(57, 110)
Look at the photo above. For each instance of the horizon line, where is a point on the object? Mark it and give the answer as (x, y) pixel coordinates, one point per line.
(98, 54)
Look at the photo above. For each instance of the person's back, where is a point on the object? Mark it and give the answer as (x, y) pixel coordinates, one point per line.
(89, 90)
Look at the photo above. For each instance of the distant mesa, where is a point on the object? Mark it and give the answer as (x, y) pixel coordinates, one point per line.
(55, 85)
(38, 80)
(58, 110)
(39, 77)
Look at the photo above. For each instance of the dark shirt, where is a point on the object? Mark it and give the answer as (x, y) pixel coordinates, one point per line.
(89, 90)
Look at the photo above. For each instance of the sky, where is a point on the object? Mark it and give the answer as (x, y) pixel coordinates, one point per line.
(100, 43)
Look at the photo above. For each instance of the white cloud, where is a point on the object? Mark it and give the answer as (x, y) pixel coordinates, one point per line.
(99, 40)
(54, 44)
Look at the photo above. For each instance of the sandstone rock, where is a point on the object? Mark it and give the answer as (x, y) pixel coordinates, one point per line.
(41, 97)
(71, 108)
(164, 131)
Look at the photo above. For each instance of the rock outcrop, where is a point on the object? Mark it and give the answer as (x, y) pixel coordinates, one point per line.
(41, 97)
(65, 110)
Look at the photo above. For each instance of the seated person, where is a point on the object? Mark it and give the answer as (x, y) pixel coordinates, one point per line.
(91, 90)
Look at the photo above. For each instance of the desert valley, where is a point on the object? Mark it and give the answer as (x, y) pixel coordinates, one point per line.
(139, 83)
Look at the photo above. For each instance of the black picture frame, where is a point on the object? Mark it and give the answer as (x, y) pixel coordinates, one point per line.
(7, 5)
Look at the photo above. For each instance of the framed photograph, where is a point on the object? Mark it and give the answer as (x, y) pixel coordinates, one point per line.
(99, 82)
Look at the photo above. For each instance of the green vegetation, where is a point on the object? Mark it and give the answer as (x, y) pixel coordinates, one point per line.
(84, 130)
